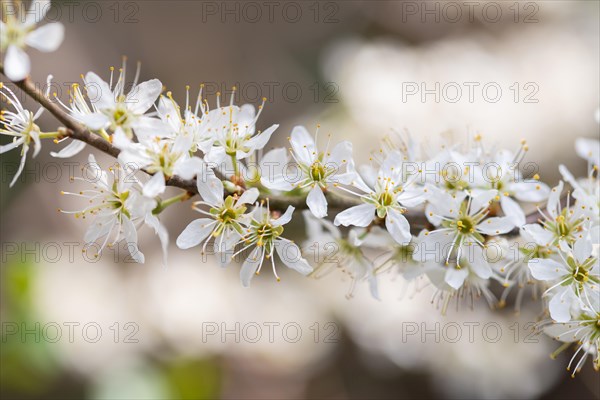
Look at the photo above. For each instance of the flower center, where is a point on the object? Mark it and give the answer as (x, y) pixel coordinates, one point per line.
(227, 215)
(465, 225)
(120, 116)
(386, 199)
(317, 171)
(13, 35)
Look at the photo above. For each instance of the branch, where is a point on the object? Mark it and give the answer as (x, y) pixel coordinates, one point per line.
(77, 131)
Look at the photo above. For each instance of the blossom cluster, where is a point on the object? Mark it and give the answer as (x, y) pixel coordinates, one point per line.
(437, 215)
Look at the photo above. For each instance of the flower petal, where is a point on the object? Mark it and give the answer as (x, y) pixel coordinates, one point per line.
(316, 202)
(155, 186)
(455, 277)
(582, 249)
(303, 145)
(195, 233)
(290, 254)
(46, 38)
(541, 236)
(285, 217)
(99, 93)
(36, 12)
(259, 141)
(397, 225)
(210, 188)
(16, 64)
(250, 266)
(143, 96)
(513, 210)
(73, 148)
(131, 238)
(560, 305)
(545, 269)
(360, 215)
(495, 226)
(248, 197)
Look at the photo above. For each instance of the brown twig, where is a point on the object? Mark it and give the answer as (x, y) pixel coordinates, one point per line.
(77, 131)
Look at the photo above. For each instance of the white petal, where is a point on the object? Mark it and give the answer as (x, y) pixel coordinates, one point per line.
(360, 215)
(94, 121)
(167, 109)
(143, 96)
(36, 12)
(303, 145)
(540, 235)
(21, 166)
(162, 233)
(215, 155)
(16, 64)
(155, 186)
(11, 146)
(554, 199)
(99, 92)
(147, 128)
(482, 200)
(316, 202)
(345, 178)
(210, 188)
(397, 225)
(373, 286)
(195, 233)
(250, 266)
(560, 305)
(189, 168)
(582, 249)
(291, 256)
(340, 155)
(248, 197)
(131, 240)
(479, 264)
(495, 226)
(259, 141)
(432, 246)
(588, 149)
(513, 210)
(273, 161)
(73, 148)
(285, 217)
(530, 191)
(46, 38)
(545, 269)
(277, 182)
(456, 277)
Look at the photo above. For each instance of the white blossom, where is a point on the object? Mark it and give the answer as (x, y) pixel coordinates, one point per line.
(20, 126)
(224, 218)
(574, 278)
(559, 223)
(584, 330)
(387, 193)
(112, 108)
(17, 32)
(120, 204)
(263, 234)
(462, 221)
(317, 170)
(233, 131)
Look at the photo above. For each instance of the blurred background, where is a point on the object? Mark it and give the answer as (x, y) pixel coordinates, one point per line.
(109, 329)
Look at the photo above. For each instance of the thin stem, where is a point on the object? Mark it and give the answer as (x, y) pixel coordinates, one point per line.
(236, 168)
(50, 135)
(162, 205)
